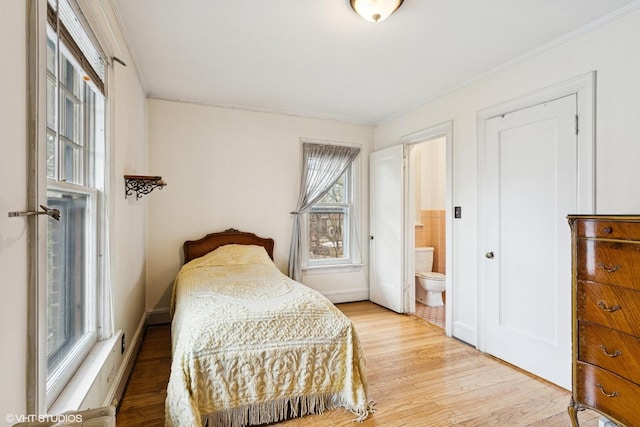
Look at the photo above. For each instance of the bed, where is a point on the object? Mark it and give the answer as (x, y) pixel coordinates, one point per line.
(251, 346)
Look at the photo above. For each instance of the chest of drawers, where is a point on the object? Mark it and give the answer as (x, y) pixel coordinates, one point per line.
(606, 317)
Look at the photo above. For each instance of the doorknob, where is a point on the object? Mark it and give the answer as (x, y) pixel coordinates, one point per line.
(489, 255)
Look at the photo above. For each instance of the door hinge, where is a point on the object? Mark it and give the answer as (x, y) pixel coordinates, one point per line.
(577, 128)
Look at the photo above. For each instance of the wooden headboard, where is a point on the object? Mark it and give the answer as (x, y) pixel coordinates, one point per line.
(197, 248)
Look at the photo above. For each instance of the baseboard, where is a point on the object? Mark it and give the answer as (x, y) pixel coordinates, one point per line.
(465, 333)
(158, 317)
(347, 295)
(114, 396)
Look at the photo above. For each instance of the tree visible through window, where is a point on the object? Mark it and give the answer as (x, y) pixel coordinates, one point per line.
(328, 223)
(324, 218)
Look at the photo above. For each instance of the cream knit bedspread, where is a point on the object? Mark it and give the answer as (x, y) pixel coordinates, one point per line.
(251, 346)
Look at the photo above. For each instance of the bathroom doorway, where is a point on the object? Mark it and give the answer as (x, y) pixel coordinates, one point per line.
(428, 202)
(429, 171)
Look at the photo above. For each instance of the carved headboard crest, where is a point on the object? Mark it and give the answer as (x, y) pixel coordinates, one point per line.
(197, 248)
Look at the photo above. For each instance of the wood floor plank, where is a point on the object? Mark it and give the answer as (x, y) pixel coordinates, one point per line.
(417, 376)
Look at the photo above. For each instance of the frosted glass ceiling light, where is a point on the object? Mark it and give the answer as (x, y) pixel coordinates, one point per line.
(375, 10)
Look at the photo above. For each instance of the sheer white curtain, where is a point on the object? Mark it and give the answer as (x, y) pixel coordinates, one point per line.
(105, 297)
(322, 166)
(105, 321)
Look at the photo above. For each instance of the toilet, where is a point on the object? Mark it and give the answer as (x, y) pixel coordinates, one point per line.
(429, 285)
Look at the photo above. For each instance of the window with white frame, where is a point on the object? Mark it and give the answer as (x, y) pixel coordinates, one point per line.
(332, 223)
(75, 182)
(328, 223)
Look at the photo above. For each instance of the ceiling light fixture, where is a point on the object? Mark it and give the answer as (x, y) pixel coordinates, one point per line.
(375, 10)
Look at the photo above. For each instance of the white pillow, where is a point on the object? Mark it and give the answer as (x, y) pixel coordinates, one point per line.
(234, 254)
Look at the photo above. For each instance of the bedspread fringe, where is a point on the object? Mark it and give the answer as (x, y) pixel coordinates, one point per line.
(280, 410)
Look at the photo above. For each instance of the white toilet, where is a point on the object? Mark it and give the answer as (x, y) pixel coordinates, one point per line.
(429, 285)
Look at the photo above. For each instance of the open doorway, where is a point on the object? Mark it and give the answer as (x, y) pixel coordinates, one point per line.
(392, 219)
(428, 233)
(428, 159)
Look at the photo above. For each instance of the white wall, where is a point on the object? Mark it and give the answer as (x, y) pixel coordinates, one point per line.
(13, 231)
(431, 177)
(128, 216)
(128, 219)
(611, 50)
(231, 168)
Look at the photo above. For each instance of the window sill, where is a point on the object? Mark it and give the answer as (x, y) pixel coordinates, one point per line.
(331, 268)
(75, 393)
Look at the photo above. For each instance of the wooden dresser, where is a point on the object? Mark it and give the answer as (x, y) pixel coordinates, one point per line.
(606, 317)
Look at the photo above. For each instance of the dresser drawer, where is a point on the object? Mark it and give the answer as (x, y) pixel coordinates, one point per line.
(609, 349)
(615, 263)
(609, 229)
(611, 306)
(608, 393)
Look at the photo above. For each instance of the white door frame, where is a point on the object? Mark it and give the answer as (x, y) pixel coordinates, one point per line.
(584, 87)
(441, 130)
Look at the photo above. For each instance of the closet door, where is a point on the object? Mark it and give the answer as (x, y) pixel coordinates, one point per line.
(529, 184)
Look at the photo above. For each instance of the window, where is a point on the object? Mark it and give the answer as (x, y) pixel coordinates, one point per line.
(329, 222)
(330, 225)
(74, 148)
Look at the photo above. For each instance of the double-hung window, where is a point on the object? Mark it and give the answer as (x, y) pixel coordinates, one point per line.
(73, 146)
(330, 226)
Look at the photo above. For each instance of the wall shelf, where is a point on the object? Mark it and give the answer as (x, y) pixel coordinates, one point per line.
(141, 185)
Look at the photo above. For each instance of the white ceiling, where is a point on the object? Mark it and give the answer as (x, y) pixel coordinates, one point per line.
(318, 58)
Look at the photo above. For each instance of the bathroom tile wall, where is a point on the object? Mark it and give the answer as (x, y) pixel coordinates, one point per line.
(431, 232)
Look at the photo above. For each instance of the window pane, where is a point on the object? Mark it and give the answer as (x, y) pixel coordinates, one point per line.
(328, 224)
(52, 155)
(70, 78)
(67, 256)
(337, 194)
(52, 104)
(73, 161)
(70, 117)
(51, 55)
(326, 233)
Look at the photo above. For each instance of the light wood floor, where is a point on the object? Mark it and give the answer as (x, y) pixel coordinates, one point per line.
(417, 377)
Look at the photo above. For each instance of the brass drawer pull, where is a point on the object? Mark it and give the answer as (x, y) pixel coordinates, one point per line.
(609, 269)
(607, 230)
(606, 352)
(603, 305)
(614, 394)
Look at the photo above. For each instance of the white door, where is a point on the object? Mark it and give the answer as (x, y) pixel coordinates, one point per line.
(529, 185)
(386, 182)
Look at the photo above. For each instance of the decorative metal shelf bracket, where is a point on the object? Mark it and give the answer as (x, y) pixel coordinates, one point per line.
(141, 185)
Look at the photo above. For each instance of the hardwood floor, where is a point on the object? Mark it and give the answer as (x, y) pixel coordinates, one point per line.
(417, 376)
(143, 400)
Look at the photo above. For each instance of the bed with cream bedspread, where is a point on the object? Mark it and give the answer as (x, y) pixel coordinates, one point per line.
(251, 346)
